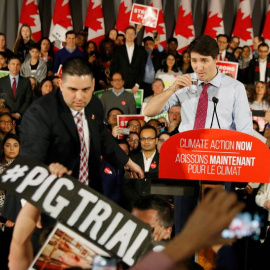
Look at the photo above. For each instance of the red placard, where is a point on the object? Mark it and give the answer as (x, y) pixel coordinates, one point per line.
(146, 15)
(229, 68)
(215, 155)
(124, 118)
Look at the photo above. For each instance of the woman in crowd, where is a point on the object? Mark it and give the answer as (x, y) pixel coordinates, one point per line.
(3, 47)
(237, 53)
(46, 53)
(243, 71)
(260, 100)
(133, 140)
(23, 42)
(169, 71)
(162, 137)
(3, 61)
(113, 34)
(34, 87)
(45, 87)
(186, 67)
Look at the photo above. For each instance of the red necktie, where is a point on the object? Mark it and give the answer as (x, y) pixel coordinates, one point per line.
(83, 173)
(14, 86)
(220, 57)
(201, 113)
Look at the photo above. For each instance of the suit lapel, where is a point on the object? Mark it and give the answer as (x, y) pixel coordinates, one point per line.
(135, 52)
(126, 53)
(8, 90)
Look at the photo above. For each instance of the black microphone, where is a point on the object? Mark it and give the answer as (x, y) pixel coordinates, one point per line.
(215, 100)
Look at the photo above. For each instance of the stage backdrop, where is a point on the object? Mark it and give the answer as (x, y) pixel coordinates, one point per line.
(10, 13)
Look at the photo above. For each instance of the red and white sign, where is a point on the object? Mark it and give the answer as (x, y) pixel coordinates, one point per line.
(146, 15)
(229, 68)
(30, 16)
(123, 119)
(215, 155)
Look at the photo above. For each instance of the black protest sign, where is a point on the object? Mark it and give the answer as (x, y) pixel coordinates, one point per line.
(80, 207)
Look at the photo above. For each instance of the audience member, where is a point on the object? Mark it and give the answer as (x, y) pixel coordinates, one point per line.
(45, 87)
(260, 100)
(46, 54)
(154, 123)
(34, 67)
(16, 88)
(120, 40)
(69, 51)
(6, 126)
(237, 53)
(142, 122)
(257, 40)
(259, 68)
(233, 44)
(172, 45)
(129, 60)
(80, 41)
(133, 140)
(118, 97)
(169, 71)
(153, 62)
(162, 137)
(113, 34)
(157, 88)
(243, 70)
(134, 125)
(23, 42)
(186, 67)
(174, 116)
(3, 46)
(55, 81)
(112, 118)
(3, 61)
(224, 55)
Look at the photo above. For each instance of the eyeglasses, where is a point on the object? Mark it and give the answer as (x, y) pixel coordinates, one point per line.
(117, 80)
(5, 123)
(149, 139)
(132, 140)
(134, 126)
(161, 140)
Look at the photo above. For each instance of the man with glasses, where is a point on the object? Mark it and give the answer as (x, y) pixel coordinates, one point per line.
(118, 97)
(147, 159)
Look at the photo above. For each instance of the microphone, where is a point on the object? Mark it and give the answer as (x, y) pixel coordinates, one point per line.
(215, 100)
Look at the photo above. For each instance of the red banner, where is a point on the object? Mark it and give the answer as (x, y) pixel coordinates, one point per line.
(215, 155)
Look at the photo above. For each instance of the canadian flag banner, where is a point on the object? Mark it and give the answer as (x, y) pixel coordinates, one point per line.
(61, 19)
(148, 31)
(30, 16)
(184, 28)
(266, 28)
(94, 21)
(123, 15)
(243, 24)
(214, 24)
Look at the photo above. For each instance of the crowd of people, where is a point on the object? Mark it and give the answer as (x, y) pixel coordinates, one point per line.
(46, 86)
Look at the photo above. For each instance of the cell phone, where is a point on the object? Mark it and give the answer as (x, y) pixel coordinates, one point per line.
(155, 34)
(161, 124)
(258, 113)
(124, 131)
(104, 263)
(244, 224)
(91, 53)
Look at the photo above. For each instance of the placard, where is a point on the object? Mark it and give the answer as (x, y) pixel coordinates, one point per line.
(79, 207)
(3, 73)
(146, 15)
(123, 119)
(229, 68)
(215, 155)
(58, 33)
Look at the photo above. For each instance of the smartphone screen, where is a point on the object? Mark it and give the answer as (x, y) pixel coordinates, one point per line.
(244, 225)
(104, 263)
(258, 113)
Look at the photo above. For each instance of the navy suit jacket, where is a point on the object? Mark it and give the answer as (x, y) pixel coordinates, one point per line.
(49, 134)
(23, 97)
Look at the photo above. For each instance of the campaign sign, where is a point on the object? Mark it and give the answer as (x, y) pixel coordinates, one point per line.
(3, 73)
(229, 68)
(123, 119)
(146, 15)
(138, 97)
(79, 207)
(215, 155)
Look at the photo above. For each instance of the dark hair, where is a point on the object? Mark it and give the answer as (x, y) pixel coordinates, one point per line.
(123, 141)
(41, 84)
(163, 133)
(121, 35)
(158, 80)
(204, 45)
(70, 32)
(171, 40)
(50, 52)
(174, 68)
(257, 124)
(260, 38)
(76, 67)
(154, 202)
(245, 46)
(112, 29)
(133, 120)
(102, 51)
(223, 35)
(34, 46)
(14, 57)
(116, 73)
(7, 114)
(86, 45)
(11, 136)
(263, 44)
(2, 34)
(114, 108)
(130, 27)
(266, 96)
(149, 127)
(3, 54)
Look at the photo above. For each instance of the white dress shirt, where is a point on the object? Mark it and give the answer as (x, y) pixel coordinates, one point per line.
(130, 50)
(147, 161)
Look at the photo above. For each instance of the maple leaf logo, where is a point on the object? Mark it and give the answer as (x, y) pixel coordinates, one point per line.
(27, 10)
(123, 17)
(182, 28)
(93, 17)
(242, 25)
(212, 24)
(62, 15)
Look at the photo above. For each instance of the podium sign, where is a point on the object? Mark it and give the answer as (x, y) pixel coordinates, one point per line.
(215, 155)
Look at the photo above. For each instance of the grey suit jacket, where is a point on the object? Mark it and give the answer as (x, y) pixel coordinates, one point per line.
(23, 97)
